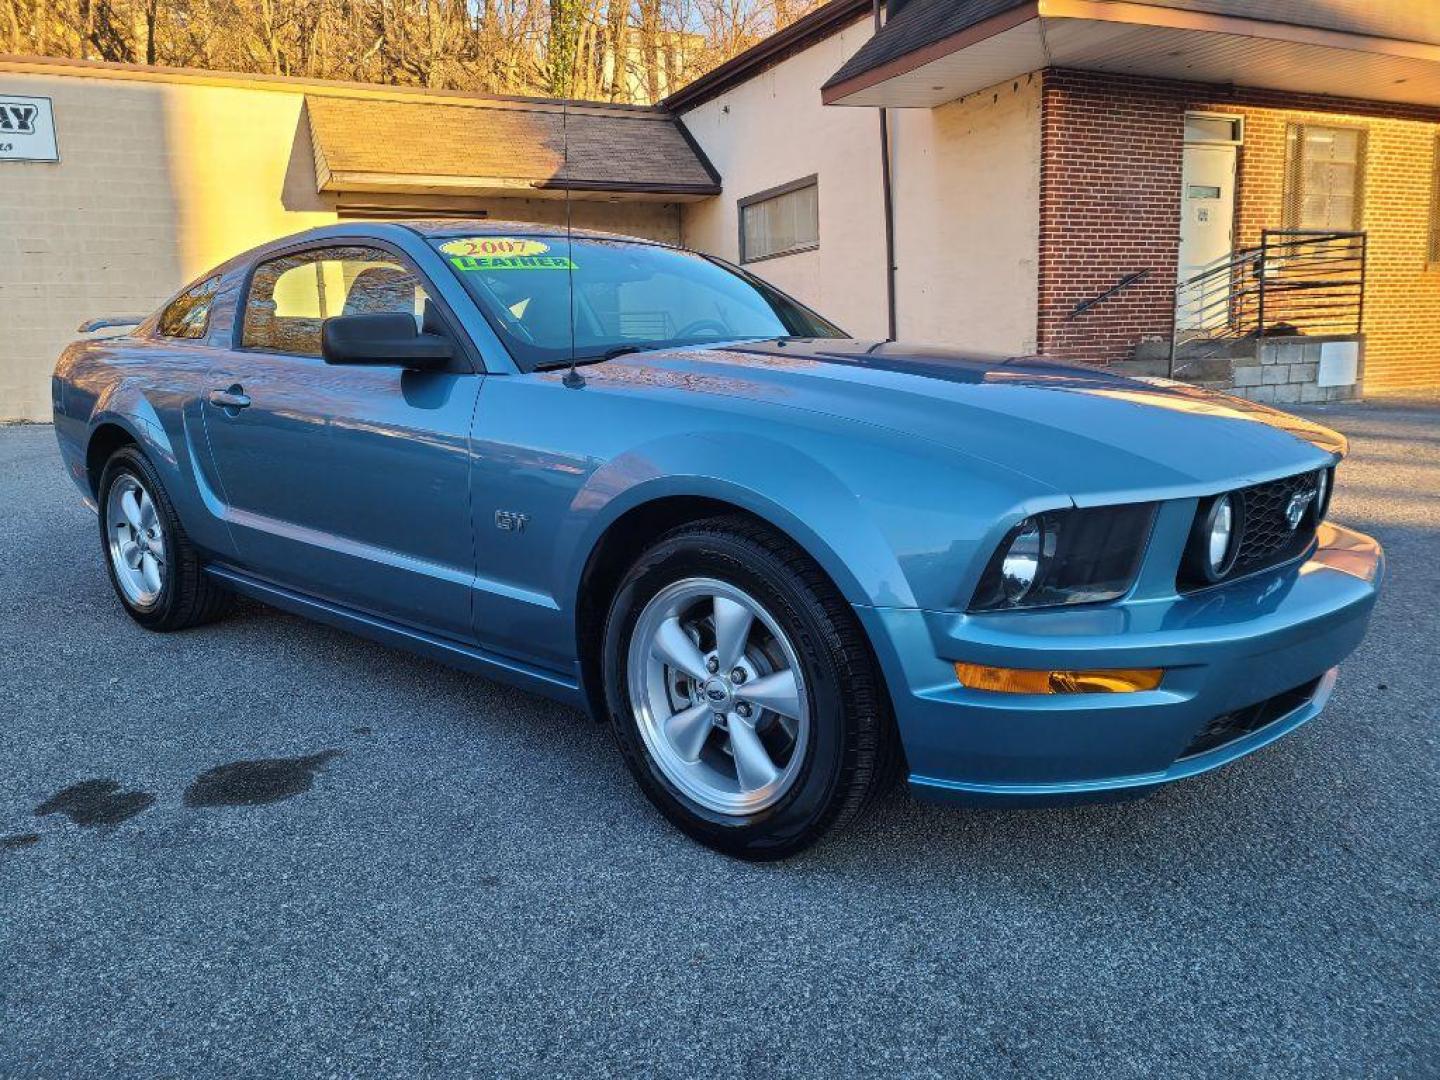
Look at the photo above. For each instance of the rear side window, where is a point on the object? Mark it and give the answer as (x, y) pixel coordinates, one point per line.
(188, 315)
(291, 296)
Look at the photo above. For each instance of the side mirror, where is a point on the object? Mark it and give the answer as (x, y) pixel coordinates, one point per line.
(387, 339)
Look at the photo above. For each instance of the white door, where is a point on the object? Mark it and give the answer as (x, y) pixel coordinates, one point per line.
(1207, 233)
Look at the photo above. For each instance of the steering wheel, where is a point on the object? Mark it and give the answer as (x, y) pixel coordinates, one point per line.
(715, 325)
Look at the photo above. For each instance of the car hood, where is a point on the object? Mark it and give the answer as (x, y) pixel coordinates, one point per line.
(1071, 426)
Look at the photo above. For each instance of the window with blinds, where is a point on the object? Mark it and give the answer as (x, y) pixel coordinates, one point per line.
(780, 221)
(1324, 177)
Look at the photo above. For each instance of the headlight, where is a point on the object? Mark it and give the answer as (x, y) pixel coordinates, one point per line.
(1066, 557)
(1020, 565)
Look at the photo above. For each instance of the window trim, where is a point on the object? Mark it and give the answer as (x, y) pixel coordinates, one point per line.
(1292, 195)
(471, 362)
(813, 180)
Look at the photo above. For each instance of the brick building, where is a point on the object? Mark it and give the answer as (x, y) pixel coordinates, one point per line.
(1244, 193)
(1094, 179)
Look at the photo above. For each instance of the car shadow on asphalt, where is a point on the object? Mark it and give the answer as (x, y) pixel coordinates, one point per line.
(905, 836)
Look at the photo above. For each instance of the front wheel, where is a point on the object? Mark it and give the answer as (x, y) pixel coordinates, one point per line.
(742, 691)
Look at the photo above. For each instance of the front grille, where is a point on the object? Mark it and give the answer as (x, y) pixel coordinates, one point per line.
(1266, 538)
(1238, 723)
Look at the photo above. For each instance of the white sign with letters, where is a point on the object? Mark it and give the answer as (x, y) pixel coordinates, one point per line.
(27, 129)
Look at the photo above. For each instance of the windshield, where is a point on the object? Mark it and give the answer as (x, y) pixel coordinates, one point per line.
(627, 295)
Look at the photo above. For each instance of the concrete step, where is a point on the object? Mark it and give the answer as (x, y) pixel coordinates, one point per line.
(1196, 369)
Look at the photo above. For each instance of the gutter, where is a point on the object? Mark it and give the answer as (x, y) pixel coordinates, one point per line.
(887, 206)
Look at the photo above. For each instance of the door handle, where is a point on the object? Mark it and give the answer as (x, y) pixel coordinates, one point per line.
(232, 398)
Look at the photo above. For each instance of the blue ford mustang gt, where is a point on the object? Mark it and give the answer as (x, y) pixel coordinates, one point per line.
(784, 565)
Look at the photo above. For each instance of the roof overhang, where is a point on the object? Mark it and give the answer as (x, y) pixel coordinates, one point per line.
(513, 149)
(1143, 39)
(394, 183)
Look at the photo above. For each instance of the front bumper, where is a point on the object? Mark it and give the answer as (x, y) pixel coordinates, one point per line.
(1278, 635)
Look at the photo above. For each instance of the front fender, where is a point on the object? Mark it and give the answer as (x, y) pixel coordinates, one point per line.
(774, 481)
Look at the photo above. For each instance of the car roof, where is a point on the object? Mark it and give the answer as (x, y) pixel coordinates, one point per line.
(429, 228)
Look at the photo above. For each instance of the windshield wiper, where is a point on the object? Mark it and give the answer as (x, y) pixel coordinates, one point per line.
(621, 350)
(608, 354)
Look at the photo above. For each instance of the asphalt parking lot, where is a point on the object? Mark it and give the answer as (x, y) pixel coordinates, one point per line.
(455, 878)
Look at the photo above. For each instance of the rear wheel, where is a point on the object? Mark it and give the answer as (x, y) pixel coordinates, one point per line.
(742, 691)
(153, 567)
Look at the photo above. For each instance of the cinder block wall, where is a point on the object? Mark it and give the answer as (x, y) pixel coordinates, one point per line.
(1110, 204)
(155, 182)
(1286, 371)
(966, 199)
(159, 180)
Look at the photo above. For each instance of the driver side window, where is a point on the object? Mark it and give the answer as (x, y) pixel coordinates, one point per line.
(292, 295)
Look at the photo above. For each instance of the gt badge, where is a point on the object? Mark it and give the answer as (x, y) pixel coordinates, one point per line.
(510, 520)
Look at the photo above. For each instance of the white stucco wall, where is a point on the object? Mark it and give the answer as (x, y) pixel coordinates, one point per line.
(967, 219)
(966, 193)
(773, 129)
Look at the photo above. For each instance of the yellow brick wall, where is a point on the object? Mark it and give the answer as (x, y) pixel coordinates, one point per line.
(1402, 288)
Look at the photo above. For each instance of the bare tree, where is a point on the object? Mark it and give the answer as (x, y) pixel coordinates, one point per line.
(614, 50)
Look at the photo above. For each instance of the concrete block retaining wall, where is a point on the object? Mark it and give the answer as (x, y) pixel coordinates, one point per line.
(1287, 371)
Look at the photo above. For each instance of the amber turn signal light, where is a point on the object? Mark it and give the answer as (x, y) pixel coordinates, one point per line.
(1004, 680)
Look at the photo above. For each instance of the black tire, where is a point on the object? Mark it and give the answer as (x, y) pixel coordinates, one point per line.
(188, 597)
(852, 754)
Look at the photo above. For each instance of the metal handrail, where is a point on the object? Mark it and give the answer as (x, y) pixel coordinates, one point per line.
(1295, 279)
(1124, 283)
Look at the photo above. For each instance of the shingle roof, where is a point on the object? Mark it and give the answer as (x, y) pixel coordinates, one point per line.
(440, 227)
(359, 141)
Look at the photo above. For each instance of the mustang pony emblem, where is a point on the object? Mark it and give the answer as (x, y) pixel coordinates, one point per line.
(1296, 507)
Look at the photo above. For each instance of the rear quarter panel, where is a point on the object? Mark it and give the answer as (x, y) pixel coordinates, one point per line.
(151, 389)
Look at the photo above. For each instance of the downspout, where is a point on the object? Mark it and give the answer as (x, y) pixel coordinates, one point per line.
(887, 207)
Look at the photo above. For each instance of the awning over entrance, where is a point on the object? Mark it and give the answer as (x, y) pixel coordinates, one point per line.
(503, 147)
(934, 51)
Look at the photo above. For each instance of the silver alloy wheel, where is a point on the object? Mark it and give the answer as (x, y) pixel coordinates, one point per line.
(136, 540)
(719, 696)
